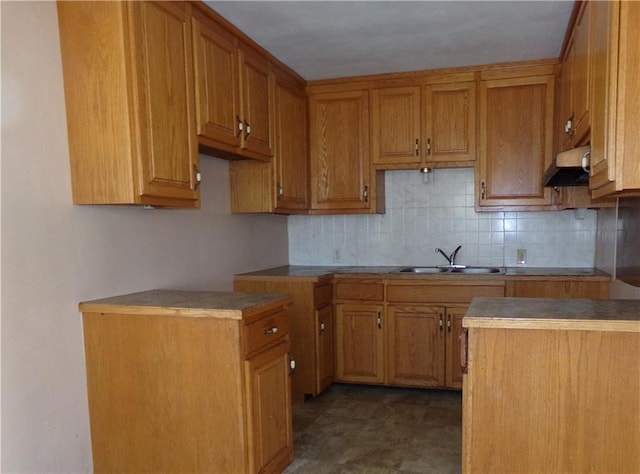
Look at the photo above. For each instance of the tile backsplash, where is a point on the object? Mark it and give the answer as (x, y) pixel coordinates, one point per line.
(437, 210)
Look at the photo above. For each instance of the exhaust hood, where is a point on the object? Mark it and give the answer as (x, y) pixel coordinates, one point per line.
(569, 168)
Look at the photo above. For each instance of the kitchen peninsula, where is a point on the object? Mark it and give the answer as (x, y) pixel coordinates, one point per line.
(189, 381)
(553, 385)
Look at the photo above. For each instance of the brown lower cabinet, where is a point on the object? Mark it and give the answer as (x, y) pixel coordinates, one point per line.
(188, 382)
(551, 395)
(401, 332)
(311, 327)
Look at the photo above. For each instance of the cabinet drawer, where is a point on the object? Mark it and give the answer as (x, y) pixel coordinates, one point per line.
(265, 331)
(360, 290)
(441, 293)
(322, 295)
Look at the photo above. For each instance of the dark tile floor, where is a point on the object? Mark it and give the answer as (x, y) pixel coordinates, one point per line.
(376, 430)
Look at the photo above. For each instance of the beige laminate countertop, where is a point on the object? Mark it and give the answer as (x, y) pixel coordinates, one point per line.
(195, 304)
(547, 313)
(510, 273)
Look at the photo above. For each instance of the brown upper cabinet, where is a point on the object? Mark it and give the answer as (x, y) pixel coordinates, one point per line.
(516, 139)
(281, 185)
(128, 78)
(233, 92)
(425, 126)
(615, 142)
(575, 82)
(342, 178)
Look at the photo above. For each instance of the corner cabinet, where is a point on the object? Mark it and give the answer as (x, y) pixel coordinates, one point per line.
(516, 140)
(615, 145)
(184, 381)
(311, 327)
(233, 92)
(128, 80)
(341, 176)
(280, 186)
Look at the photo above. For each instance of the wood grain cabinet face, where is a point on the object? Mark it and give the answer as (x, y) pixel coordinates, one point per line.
(516, 143)
(340, 171)
(538, 400)
(360, 343)
(280, 186)
(187, 394)
(575, 83)
(325, 355)
(233, 90)
(615, 167)
(424, 126)
(128, 70)
(416, 345)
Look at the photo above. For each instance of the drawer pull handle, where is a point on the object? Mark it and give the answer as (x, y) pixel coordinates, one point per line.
(272, 330)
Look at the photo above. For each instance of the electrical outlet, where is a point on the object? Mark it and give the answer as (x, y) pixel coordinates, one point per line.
(336, 256)
(521, 256)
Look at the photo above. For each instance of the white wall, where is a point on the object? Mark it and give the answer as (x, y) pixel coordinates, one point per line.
(440, 213)
(55, 254)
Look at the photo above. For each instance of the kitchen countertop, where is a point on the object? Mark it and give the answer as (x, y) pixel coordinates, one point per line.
(547, 313)
(208, 304)
(315, 272)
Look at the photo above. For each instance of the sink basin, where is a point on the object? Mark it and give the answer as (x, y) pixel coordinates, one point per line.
(423, 270)
(477, 270)
(457, 269)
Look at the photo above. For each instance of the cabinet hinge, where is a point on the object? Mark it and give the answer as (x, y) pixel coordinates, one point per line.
(417, 146)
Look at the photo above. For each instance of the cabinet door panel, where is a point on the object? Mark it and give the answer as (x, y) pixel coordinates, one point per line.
(516, 120)
(217, 95)
(326, 347)
(256, 102)
(269, 404)
(450, 118)
(454, 330)
(396, 125)
(163, 55)
(416, 345)
(290, 160)
(360, 343)
(339, 150)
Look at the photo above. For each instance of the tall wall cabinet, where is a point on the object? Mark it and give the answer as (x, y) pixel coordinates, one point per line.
(128, 79)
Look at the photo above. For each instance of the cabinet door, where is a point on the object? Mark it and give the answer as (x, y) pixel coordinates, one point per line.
(396, 126)
(454, 330)
(217, 84)
(269, 409)
(360, 341)
(325, 356)
(339, 151)
(291, 159)
(450, 122)
(581, 75)
(256, 105)
(516, 133)
(416, 345)
(162, 55)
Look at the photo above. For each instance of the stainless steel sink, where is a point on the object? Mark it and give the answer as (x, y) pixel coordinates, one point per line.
(477, 270)
(451, 270)
(423, 270)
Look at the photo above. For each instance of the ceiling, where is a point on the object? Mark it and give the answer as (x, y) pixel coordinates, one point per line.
(328, 39)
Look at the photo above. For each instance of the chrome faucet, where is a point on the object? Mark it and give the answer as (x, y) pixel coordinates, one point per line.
(451, 258)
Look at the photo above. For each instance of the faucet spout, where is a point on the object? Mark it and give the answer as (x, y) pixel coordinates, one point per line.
(451, 259)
